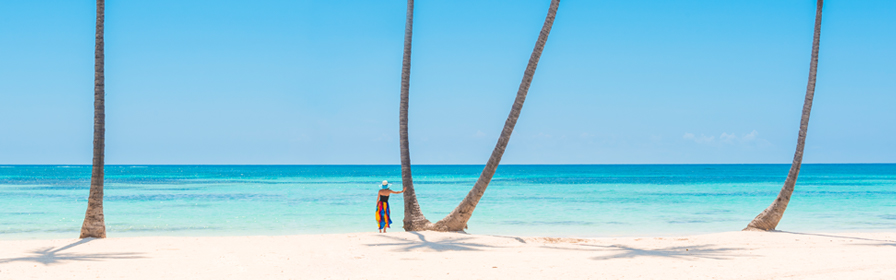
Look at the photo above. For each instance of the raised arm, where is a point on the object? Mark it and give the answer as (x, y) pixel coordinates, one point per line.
(402, 190)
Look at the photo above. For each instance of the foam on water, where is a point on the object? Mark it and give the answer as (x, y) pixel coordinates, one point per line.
(546, 200)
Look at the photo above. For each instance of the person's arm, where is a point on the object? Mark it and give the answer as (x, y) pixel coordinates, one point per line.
(402, 190)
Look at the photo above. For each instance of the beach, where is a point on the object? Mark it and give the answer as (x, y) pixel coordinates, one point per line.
(534, 222)
(438, 255)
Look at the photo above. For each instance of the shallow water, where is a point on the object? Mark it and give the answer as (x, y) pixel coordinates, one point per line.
(528, 200)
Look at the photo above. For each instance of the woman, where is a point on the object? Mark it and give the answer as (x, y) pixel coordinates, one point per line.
(382, 207)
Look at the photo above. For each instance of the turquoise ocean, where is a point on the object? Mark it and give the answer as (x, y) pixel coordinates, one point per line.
(43, 201)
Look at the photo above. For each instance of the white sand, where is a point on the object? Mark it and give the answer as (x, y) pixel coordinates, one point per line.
(428, 255)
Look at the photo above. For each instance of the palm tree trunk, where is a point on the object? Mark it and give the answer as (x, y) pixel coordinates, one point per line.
(94, 222)
(457, 219)
(768, 219)
(413, 217)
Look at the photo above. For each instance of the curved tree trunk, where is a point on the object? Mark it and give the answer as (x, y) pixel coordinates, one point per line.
(457, 219)
(94, 222)
(413, 217)
(768, 219)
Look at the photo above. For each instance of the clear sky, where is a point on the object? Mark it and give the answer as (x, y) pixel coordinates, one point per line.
(317, 82)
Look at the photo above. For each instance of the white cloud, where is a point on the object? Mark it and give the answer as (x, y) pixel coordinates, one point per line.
(752, 136)
(725, 138)
(702, 139)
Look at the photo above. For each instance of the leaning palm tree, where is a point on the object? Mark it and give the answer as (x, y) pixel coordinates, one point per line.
(768, 219)
(94, 223)
(457, 219)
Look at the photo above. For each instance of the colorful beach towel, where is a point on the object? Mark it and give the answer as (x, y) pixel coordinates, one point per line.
(382, 214)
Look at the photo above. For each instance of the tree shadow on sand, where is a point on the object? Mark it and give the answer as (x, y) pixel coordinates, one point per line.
(881, 241)
(677, 252)
(48, 256)
(450, 244)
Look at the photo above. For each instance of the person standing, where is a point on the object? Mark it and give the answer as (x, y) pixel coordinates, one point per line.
(382, 206)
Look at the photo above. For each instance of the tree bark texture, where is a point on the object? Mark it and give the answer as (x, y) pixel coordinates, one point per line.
(457, 219)
(94, 222)
(769, 218)
(413, 217)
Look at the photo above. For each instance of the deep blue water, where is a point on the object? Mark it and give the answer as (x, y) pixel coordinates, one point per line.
(547, 200)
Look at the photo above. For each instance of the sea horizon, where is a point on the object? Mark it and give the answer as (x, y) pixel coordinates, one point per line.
(430, 164)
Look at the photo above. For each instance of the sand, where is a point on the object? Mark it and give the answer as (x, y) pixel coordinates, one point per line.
(434, 255)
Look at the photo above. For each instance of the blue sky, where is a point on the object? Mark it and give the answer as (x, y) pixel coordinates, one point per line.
(317, 82)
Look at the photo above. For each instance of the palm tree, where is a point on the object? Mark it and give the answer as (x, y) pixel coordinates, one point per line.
(457, 219)
(768, 219)
(413, 217)
(94, 222)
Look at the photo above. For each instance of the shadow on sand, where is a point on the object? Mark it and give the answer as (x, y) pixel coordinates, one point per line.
(48, 256)
(677, 252)
(838, 236)
(877, 242)
(451, 244)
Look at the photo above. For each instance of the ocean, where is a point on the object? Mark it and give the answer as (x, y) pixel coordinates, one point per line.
(46, 201)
